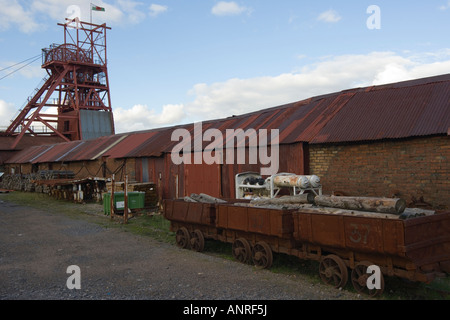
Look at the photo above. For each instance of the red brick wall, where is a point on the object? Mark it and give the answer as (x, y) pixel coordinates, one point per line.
(412, 167)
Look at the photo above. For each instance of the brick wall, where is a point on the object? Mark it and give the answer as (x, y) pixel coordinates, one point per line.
(415, 167)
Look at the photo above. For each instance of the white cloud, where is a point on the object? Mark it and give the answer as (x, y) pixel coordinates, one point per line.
(238, 96)
(7, 112)
(120, 12)
(445, 6)
(157, 9)
(330, 16)
(131, 10)
(142, 117)
(13, 14)
(30, 16)
(224, 8)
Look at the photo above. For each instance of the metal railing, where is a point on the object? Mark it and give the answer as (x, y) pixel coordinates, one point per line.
(66, 53)
(38, 129)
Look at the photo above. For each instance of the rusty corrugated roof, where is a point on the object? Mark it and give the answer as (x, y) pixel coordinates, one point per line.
(91, 149)
(390, 113)
(26, 142)
(29, 154)
(406, 109)
(128, 144)
(57, 152)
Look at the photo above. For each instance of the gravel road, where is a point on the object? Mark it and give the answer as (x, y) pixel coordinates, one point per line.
(37, 247)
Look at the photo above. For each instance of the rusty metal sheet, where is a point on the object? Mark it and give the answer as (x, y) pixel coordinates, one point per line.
(158, 142)
(68, 151)
(27, 142)
(270, 222)
(364, 234)
(200, 178)
(360, 234)
(393, 237)
(57, 151)
(128, 144)
(27, 155)
(176, 210)
(92, 149)
(328, 230)
(201, 213)
(230, 217)
(302, 227)
(190, 212)
(427, 239)
(168, 209)
(390, 113)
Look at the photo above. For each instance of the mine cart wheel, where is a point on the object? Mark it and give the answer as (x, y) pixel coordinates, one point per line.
(183, 238)
(262, 255)
(333, 271)
(241, 250)
(359, 280)
(197, 241)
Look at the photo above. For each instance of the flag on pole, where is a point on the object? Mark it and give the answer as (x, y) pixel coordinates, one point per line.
(96, 8)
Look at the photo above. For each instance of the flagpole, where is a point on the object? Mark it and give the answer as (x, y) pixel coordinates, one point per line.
(90, 11)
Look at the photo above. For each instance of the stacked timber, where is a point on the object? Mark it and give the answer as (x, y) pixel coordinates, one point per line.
(387, 208)
(55, 174)
(203, 198)
(416, 212)
(371, 204)
(151, 193)
(297, 199)
(301, 201)
(347, 212)
(32, 182)
(118, 186)
(14, 182)
(28, 182)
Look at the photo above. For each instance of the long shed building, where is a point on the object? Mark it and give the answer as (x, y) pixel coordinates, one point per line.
(386, 140)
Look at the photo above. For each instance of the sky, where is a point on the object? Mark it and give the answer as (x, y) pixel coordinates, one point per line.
(172, 62)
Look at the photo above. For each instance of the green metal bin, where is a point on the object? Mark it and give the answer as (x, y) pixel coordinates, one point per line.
(136, 200)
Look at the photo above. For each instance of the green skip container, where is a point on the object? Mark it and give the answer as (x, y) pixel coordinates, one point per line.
(136, 200)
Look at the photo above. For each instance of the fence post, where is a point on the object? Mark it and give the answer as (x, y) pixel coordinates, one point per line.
(112, 197)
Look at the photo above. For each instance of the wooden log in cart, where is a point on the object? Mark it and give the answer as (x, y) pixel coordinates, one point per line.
(297, 199)
(205, 198)
(372, 204)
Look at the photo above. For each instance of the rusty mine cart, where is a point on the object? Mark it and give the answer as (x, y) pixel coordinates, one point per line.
(344, 242)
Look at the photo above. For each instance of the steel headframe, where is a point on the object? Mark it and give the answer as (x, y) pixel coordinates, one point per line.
(77, 80)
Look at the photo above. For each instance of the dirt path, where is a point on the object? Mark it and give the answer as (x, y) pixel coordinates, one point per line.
(37, 247)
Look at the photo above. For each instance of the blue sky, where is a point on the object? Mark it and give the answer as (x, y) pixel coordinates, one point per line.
(180, 61)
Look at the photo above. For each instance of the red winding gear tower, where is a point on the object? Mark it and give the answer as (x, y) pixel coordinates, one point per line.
(74, 102)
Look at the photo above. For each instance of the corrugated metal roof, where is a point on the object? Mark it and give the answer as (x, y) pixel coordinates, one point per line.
(127, 145)
(29, 154)
(405, 109)
(27, 142)
(57, 152)
(90, 149)
(390, 113)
